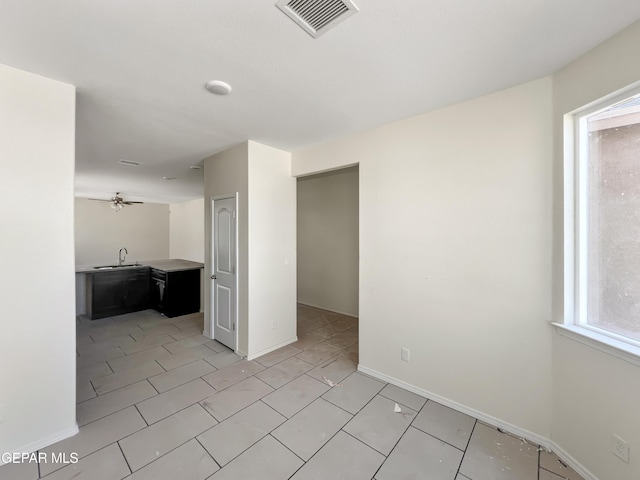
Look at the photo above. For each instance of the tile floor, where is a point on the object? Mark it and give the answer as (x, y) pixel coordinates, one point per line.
(157, 400)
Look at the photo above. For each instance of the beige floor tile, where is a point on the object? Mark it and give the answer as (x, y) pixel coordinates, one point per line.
(172, 401)
(328, 329)
(187, 343)
(146, 342)
(551, 462)
(119, 341)
(335, 369)
(344, 340)
(137, 359)
(121, 379)
(105, 464)
(420, 456)
(379, 426)
(492, 455)
(181, 375)
(217, 346)
(543, 475)
(98, 356)
(319, 353)
(232, 374)
(271, 358)
(283, 372)
(84, 391)
(308, 340)
(403, 396)
(19, 471)
(309, 429)
(295, 395)
(186, 333)
(445, 424)
(343, 457)
(116, 330)
(356, 391)
(266, 460)
(156, 330)
(230, 438)
(93, 371)
(184, 357)
(233, 399)
(112, 402)
(223, 359)
(94, 436)
(187, 462)
(148, 444)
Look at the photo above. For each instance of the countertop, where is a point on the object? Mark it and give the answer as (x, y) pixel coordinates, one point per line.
(166, 265)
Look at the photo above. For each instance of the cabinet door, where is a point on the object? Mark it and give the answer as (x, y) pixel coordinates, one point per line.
(108, 293)
(182, 293)
(116, 292)
(137, 290)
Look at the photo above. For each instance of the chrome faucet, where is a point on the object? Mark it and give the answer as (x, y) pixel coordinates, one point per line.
(121, 257)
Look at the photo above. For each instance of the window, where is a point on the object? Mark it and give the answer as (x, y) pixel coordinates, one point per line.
(602, 196)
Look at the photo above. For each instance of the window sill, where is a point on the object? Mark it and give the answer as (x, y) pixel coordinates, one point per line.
(621, 350)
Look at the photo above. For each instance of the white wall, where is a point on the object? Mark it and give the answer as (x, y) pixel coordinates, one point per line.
(455, 252)
(101, 232)
(272, 250)
(594, 394)
(186, 230)
(226, 173)
(328, 240)
(266, 267)
(37, 378)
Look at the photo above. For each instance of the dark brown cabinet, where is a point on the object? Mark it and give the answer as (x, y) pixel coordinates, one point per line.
(116, 292)
(175, 293)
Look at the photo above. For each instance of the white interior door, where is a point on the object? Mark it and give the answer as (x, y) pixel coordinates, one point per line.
(223, 278)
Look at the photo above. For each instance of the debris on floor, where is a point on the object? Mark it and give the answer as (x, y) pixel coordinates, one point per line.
(331, 383)
(397, 408)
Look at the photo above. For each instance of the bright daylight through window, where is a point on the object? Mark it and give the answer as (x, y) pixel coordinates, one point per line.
(607, 220)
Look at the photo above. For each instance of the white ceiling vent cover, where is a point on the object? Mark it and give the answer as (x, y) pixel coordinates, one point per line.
(317, 16)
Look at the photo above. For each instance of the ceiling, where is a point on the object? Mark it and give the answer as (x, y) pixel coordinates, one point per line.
(140, 67)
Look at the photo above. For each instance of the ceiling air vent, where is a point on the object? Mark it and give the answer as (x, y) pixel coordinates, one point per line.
(317, 16)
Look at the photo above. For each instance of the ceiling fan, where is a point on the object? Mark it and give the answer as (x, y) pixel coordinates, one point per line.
(117, 202)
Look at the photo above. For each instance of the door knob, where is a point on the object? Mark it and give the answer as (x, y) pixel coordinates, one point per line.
(214, 277)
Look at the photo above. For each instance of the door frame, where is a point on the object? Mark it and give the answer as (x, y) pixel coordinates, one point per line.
(212, 306)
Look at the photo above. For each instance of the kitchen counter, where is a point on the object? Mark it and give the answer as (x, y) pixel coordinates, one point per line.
(170, 286)
(166, 265)
(173, 265)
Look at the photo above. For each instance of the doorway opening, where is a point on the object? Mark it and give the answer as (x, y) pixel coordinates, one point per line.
(328, 264)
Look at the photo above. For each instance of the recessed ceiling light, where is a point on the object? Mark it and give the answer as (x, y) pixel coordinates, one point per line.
(168, 178)
(195, 167)
(218, 87)
(129, 163)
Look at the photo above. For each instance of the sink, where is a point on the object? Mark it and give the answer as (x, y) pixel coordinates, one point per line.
(113, 267)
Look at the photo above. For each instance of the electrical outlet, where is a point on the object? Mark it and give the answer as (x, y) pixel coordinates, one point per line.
(404, 354)
(620, 448)
(274, 324)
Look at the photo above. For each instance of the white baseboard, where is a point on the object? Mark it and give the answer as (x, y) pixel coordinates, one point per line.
(327, 309)
(46, 441)
(271, 349)
(496, 422)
